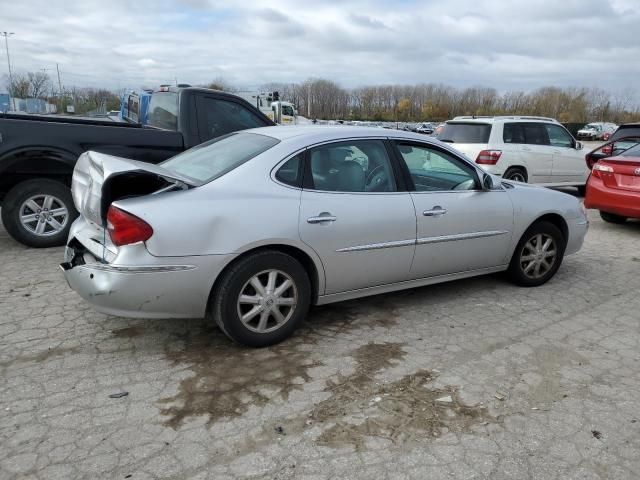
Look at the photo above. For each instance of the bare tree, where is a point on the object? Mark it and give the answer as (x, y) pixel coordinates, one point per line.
(39, 84)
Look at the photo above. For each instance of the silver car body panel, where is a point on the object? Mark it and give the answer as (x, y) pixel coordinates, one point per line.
(379, 242)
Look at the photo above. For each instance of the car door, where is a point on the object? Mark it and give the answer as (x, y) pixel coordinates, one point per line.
(568, 163)
(460, 227)
(354, 216)
(537, 152)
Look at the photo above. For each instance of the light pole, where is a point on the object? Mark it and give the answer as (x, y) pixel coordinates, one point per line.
(6, 36)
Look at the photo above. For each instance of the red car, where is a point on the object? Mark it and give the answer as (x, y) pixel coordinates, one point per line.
(614, 186)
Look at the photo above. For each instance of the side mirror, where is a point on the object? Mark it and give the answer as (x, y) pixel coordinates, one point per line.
(487, 182)
(579, 146)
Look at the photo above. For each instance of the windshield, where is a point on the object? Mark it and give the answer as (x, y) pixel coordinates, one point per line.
(465, 133)
(592, 126)
(163, 110)
(287, 110)
(214, 158)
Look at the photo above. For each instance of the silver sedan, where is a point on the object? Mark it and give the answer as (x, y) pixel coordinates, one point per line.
(254, 227)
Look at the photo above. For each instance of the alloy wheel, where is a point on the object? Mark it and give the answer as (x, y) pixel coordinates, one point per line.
(517, 176)
(43, 215)
(267, 301)
(538, 256)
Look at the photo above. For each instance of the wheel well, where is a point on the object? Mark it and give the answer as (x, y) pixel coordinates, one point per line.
(521, 168)
(31, 167)
(304, 259)
(556, 220)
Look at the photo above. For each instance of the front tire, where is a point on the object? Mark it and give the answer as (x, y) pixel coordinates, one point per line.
(261, 299)
(612, 218)
(39, 213)
(538, 255)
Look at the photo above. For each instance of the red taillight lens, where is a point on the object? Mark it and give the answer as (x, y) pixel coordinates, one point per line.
(125, 228)
(488, 157)
(607, 149)
(598, 169)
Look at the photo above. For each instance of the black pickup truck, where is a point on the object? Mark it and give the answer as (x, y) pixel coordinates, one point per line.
(38, 153)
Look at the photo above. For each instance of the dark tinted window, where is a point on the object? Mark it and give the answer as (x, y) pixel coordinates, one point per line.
(535, 134)
(513, 133)
(354, 166)
(558, 136)
(291, 172)
(465, 132)
(217, 117)
(213, 159)
(163, 110)
(632, 152)
(622, 131)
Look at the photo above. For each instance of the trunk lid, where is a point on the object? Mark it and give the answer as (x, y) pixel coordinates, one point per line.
(625, 175)
(99, 180)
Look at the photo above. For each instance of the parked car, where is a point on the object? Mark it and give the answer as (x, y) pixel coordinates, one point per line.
(614, 186)
(625, 137)
(425, 128)
(596, 131)
(253, 227)
(37, 154)
(520, 148)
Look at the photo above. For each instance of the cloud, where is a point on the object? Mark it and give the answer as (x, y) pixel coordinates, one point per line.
(506, 45)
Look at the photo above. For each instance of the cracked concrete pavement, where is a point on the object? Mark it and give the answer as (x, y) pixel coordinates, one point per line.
(467, 380)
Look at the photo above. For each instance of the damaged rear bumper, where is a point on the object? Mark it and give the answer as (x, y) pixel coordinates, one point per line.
(161, 287)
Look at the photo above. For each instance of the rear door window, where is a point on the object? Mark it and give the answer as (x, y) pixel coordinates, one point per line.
(535, 134)
(513, 133)
(217, 117)
(460, 132)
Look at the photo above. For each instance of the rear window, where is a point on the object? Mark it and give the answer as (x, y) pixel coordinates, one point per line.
(622, 132)
(163, 110)
(465, 133)
(632, 152)
(213, 159)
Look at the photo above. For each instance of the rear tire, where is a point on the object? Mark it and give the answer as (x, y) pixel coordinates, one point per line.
(612, 218)
(261, 299)
(39, 213)
(538, 255)
(515, 174)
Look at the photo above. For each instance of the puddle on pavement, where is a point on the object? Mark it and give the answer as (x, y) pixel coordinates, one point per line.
(401, 411)
(129, 332)
(228, 379)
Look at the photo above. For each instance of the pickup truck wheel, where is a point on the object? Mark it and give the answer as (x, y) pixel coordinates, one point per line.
(38, 213)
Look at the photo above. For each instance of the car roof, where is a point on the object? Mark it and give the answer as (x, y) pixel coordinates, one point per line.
(319, 133)
(501, 118)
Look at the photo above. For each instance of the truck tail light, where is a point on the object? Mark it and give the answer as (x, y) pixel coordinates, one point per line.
(607, 149)
(125, 228)
(488, 157)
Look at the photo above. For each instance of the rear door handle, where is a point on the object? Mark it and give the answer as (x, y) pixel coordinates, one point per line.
(435, 211)
(322, 218)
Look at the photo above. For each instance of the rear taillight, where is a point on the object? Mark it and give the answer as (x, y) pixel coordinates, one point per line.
(488, 157)
(607, 149)
(125, 228)
(597, 168)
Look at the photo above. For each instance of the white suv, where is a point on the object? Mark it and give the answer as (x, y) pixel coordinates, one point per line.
(525, 149)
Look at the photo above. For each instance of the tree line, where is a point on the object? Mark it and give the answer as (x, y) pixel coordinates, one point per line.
(321, 98)
(84, 100)
(325, 99)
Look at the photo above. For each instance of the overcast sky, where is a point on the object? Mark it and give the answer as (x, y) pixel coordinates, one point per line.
(506, 44)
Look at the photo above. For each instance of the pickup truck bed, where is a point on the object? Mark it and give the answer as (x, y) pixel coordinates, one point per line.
(38, 153)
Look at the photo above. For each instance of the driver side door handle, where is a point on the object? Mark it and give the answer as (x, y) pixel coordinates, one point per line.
(321, 219)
